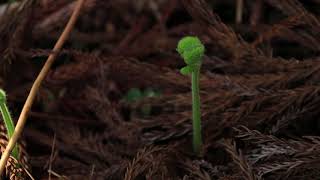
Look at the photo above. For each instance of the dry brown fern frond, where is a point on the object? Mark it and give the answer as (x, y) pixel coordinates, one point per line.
(15, 169)
(207, 168)
(284, 158)
(278, 28)
(265, 109)
(91, 145)
(148, 162)
(292, 146)
(124, 71)
(271, 78)
(218, 31)
(280, 72)
(255, 84)
(280, 81)
(294, 7)
(239, 159)
(100, 104)
(260, 65)
(12, 32)
(298, 16)
(223, 110)
(195, 170)
(172, 119)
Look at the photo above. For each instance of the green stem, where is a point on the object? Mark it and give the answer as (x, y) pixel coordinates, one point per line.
(196, 119)
(9, 125)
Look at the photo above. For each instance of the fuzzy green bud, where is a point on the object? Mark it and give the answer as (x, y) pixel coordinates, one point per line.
(191, 49)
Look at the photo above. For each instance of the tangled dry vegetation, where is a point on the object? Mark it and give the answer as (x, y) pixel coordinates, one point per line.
(259, 89)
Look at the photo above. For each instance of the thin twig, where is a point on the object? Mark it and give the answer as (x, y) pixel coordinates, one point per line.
(57, 175)
(239, 11)
(36, 85)
(51, 155)
(92, 172)
(29, 174)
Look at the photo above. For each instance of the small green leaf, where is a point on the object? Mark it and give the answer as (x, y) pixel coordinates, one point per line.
(186, 70)
(134, 94)
(7, 121)
(2, 96)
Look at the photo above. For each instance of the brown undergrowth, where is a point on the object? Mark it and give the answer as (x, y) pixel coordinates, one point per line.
(259, 85)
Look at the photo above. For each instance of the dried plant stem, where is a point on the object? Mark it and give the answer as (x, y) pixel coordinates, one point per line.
(27, 106)
(239, 11)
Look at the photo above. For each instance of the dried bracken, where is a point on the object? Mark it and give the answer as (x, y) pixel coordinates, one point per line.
(284, 158)
(259, 82)
(15, 170)
(148, 161)
(239, 159)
